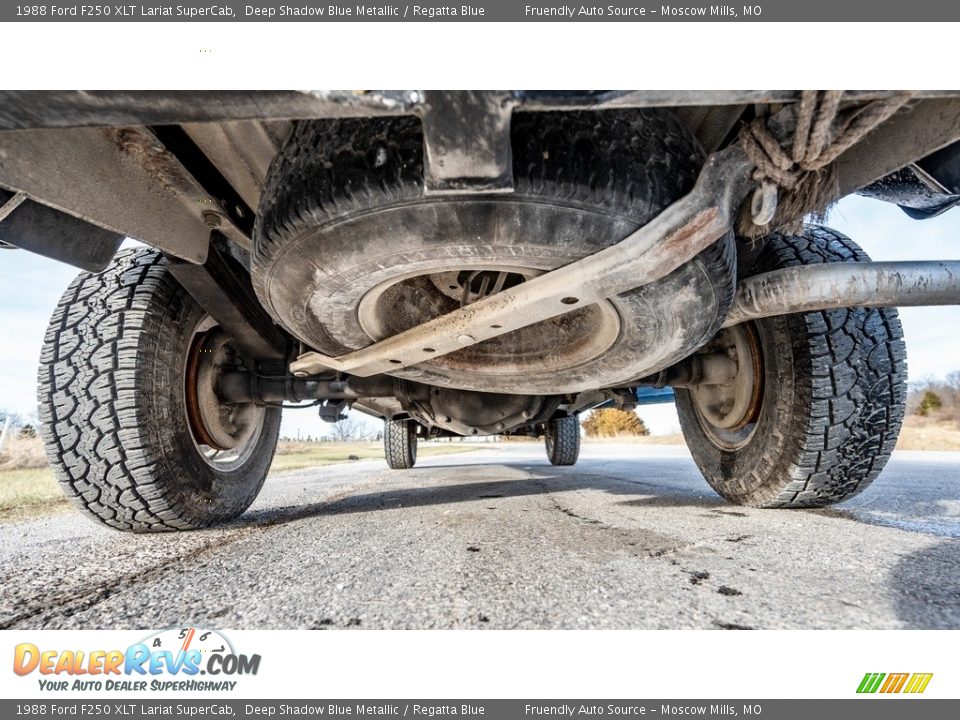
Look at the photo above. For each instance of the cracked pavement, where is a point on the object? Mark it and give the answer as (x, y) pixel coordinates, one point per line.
(632, 537)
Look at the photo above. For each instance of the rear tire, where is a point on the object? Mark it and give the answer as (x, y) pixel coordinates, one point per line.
(400, 443)
(562, 440)
(113, 405)
(832, 400)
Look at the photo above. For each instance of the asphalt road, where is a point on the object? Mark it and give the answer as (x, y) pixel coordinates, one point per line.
(631, 537)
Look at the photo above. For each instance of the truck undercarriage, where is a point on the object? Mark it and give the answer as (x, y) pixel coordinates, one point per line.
(468, 263)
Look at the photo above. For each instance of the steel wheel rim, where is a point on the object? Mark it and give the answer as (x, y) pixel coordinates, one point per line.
(197, 383)
(734, 431)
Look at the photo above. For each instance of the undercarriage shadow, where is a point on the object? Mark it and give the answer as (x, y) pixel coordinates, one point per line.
(663, 482)
(926, 587)
(536, 481)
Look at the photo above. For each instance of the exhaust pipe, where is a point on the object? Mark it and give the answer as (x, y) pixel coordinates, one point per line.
(807, 288)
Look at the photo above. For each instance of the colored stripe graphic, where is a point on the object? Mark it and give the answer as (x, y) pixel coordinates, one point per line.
(918, 682)
(894, 683)
(870, 682)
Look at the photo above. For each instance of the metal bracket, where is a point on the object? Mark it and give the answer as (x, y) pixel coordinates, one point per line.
(668, 241)
(905, 138)
(143, 191)
(48, 232)
(332, 411)
(466, 139)
(15, 201)
(226, 294)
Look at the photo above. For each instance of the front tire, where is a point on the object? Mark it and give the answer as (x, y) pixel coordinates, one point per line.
(114, 383)
(819, 420)
(562, 440)
(400, 443)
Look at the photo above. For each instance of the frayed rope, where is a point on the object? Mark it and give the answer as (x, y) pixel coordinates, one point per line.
(807, 176)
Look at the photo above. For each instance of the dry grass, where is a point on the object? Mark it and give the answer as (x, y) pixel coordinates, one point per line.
(22, 454)
(292, 455)
(28, 487)
(28, 492)
(921, 433)
(671, 439)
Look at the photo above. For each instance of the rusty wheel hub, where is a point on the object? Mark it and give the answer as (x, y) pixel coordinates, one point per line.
(223, 432)
(729, 412)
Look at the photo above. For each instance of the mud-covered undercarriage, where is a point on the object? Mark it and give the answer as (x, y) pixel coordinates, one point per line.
(468, 263)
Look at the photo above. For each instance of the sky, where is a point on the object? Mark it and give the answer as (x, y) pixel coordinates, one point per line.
(30, 287)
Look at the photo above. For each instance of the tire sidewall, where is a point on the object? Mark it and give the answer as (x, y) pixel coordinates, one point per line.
(741, 475)
(205, 495)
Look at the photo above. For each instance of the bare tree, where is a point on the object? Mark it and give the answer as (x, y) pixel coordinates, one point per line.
(16, 420)
(347, 429)
(9, 425)
(936, 398)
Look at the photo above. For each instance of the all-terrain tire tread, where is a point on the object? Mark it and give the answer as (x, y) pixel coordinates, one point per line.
(400, 444)
(97, 404)
(856, 361)
(849, 393)
(563, 440)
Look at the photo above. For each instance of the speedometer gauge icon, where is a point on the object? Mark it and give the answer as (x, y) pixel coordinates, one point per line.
(183, 639)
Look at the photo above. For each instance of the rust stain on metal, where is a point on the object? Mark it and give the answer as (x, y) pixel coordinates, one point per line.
(690, 231)
(147, 152)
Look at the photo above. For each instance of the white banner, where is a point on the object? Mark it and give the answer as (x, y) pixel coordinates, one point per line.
(411, 664)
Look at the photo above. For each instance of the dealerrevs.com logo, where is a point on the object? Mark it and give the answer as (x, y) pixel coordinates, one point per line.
(173, 659)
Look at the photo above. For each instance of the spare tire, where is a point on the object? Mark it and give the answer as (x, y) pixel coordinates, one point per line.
(349, 249)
